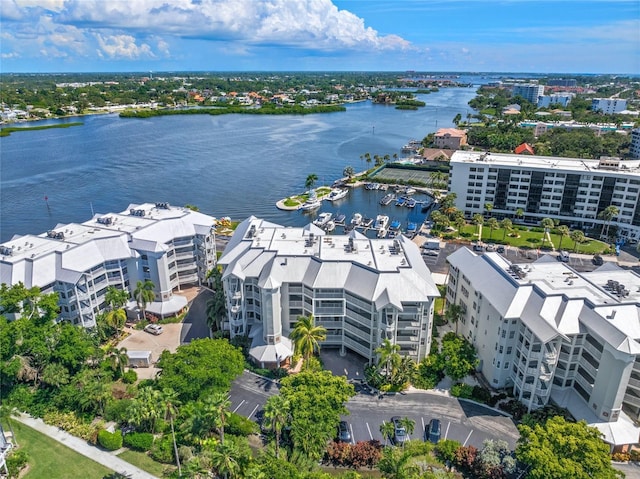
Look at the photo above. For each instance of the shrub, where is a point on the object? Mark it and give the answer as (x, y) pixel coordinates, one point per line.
(240, 426)
(461, 390)
(140, 441)
(446, 449)
(162, 450)
(635, 455)
(481, 394)
(515, 408)
(68, 421)
(621, 456)
(129, 377)
(16, 461)
(117, 410)
(111, 441)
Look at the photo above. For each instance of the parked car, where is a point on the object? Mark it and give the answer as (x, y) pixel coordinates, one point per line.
(154, 329)
(478, 247)
(433, 431)
(597, 260)
(344, 434)
(563, 256)
(399, 432)
(500, 249)
(491, 247)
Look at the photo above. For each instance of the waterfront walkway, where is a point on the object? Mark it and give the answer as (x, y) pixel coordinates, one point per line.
(107, 459)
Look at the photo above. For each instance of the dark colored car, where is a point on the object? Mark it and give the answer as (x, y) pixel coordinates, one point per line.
(433, 431)
(500, 249)
(399, 432)
(597, 260)
(478, 247)
(344, 434)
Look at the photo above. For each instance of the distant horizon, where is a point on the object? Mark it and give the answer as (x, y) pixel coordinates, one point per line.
(527, 36)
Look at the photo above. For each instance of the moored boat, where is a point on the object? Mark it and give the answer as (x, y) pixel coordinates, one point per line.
(322, 219)
(329, 226)
(339, 219)
(311, 205)
(388, 198)
(401, 200)
(410, 203)
(367, 222)
(412, 228)
(381, 222)
(356, 219)
(395, 225)
(337, 194)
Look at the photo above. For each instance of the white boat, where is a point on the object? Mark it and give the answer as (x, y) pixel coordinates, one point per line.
(382, 232)
(322, 219)
(381, 222)
(356, 220)
(311, 205)
(409, 191)
(337, 194)
(367, 222)
(339, 219)
(329, 226)
(388, 198)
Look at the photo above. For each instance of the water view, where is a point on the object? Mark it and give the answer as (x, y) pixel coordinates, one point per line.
(231, 165)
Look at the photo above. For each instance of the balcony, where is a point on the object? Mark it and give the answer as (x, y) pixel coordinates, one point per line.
(634, 383)
(532, 371)
(356, 346)
(237, 295)
(236, 321)
(632, 400)
(235, 309)
(407, 339)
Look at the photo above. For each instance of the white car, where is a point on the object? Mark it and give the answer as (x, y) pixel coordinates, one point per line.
(154, 329)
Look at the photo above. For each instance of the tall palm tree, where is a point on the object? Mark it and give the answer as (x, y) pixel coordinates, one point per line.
(389, 356)
(118, 359)
(460, 224)
(217, 407)
(478, 220)
(607, 215)
(224, 459)
(171, 403)
(519, 213)
(116, 319)
(306, 336)
(408, 424)
(367, 158)
(6, 412)
(578, 237)
(507, 226)
(310, 181)
(116, 298)
(488, 207)
(387, 429)
(563, 230)
(277, 412)
(453, 314)
(547, 224)
(493, 224)
(144, 295)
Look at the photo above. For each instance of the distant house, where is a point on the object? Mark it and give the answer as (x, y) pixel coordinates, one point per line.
(436, 154)
(450, 138)
(524, 149)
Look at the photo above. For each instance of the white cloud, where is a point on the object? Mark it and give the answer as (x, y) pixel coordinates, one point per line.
(122, 46)
(8, 56)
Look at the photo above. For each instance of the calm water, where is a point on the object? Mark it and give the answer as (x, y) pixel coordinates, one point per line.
(230, 165)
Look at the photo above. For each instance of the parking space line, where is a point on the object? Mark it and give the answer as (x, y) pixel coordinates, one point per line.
(241, 403)
(446, 433)
(369, 429)
(256, 408)
(467, 439)
(422, 421)
(353, 439)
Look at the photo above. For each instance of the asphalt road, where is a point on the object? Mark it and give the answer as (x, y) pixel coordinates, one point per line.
(194, 325)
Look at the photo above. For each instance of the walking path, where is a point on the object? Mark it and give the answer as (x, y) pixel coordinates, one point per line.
(105, 458)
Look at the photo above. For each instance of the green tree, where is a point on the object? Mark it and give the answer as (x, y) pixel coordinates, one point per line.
(217, 405)
(55, 375)
(408, 424)
(493, 224)
(277, 413)
(201, 367)
(398, 464)
(488, 207)
(453, 314)
(607, 215)
(146, 409)
(387, 429)
(389, 355)
(144, 294)
(306, 336)
(519, 213)
(348, 171)
(459, 356)
(457, 119)
(171, 403)
(118, 359)
(563, 231)
(547, 224)
(116, 318)
(224, 459)
(116, 298)
(578, 237)
(478, 220)
(507, 226)
(6, 413)
(310, 181)
(217, 304)
(561, 449)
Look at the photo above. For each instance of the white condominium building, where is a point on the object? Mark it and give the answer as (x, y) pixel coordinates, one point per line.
(608, 105)
(549, 333)
(572, 190)
(361, 290)
(563, 99)
(528, 91)
(171, 246)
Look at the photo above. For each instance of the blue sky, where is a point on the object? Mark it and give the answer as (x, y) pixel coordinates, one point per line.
(572, 36)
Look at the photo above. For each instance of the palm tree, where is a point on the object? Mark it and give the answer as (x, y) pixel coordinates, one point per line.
(389, 356)
(171, 403)
(306, 336)
(144, 295)
(224, 460)
(607, 215)
(478, 220)
(310, 181)
(460, 224)
(408, 424)
(367, 158)
(578, 237)
(387, 429)
(277, 414)
(493, 224)
(348, 171)
(116, 298)
(488, 208)
(453, 314)
(146, 408)
(456, 119)
(563, 230)
(118, 359)
(116, 318)
(507, 225)
(547, 224)
(6, 412)
(216, 406)
(519, 213)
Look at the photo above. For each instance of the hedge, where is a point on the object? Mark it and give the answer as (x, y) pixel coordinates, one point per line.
(140, 441)
(110, 441)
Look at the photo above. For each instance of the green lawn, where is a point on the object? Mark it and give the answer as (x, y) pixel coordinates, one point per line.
(48, 459)
(144, 462)
(532, 239)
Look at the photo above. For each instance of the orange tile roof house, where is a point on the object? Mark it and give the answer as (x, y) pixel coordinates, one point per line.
(450, 138)
(524, 149)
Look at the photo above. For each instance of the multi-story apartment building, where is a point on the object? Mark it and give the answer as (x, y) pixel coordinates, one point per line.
(173, 247)
(361, 290)
(634, 149)
(549, 333)
(563, 99)
(608, 105)
(450, 138)
(528, 91)
(567, 82)
(573, 191)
